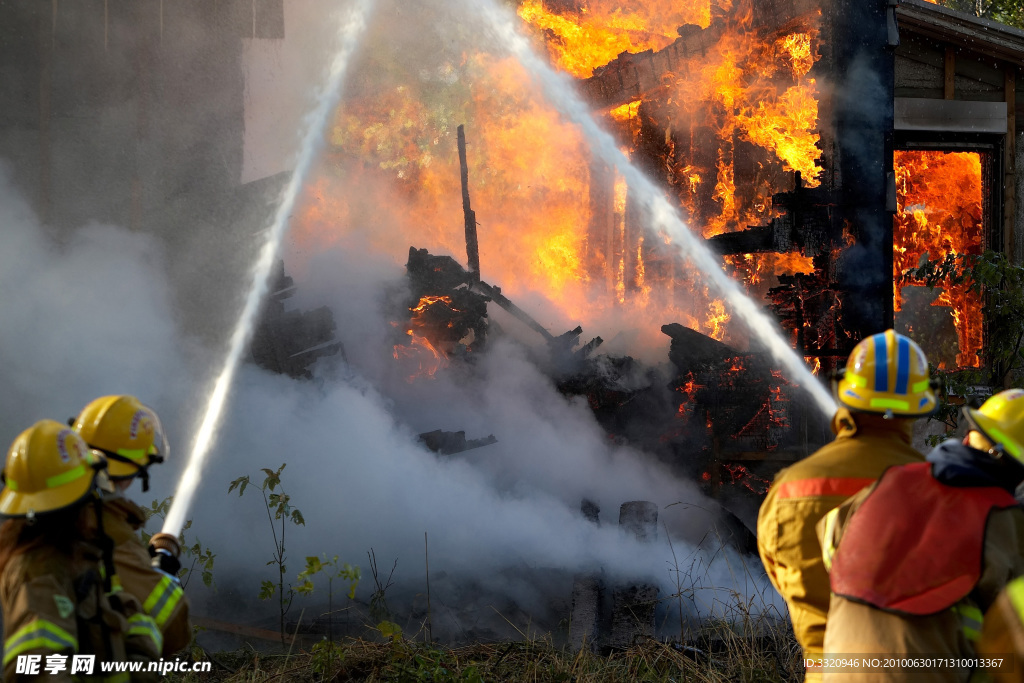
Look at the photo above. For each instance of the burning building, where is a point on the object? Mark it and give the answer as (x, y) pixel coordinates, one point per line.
(823, 149)
(832, 145)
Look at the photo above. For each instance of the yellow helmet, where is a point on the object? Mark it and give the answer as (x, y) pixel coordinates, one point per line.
(1000, 419)
(887, 373)
(127, 431)
(49, 467)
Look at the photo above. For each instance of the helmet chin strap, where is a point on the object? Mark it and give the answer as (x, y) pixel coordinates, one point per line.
(143, 470)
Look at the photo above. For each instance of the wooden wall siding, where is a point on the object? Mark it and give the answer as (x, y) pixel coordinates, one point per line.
(1018, 240)
(1010, 196)
(918, 79)
(921, 71)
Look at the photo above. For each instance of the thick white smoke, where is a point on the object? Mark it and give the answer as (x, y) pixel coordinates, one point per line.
(85, 317)
(93, 316)
(97, 314)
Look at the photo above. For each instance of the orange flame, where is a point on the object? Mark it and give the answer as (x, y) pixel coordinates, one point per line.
(390, 178)
(939, 212)
(744, 89)
(428, 357)
(579, 41)
(753, 266)
(717, 318)
(688, 389)
(423, 353)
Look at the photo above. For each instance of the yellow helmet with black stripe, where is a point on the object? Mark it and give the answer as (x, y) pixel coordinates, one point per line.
(49, 467)
(887, 373)
(1000, 419)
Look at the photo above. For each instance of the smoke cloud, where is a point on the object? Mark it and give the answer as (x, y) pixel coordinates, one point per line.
(98, 314)
(94, 317)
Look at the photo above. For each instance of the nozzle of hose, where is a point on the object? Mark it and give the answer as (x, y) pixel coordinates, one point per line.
(165, 551)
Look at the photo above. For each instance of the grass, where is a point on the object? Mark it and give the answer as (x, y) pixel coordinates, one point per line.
(717, 652)
(746, 641)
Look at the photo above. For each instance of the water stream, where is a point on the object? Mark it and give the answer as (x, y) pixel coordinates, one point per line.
(561, 92)
(351, 27)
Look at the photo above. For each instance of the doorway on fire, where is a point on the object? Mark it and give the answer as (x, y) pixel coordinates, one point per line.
(943, 206)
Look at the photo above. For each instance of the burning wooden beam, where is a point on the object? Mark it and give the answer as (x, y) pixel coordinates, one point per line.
(691, 350)
(472, 247)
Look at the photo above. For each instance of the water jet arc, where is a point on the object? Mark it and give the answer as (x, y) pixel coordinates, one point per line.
(351, 28)
(561, 92)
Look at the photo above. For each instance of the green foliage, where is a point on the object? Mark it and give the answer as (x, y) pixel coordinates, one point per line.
(330, 569)
(324, 654)
(390, 630)
(1010, 12)
(279, 512)
(1002, 360)
(201, 557)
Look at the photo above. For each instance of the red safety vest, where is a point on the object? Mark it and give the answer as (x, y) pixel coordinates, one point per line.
(915, 545)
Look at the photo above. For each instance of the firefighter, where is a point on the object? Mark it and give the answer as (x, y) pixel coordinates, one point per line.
(1002, 636)
(131, 437)
(884, 388)
(917, 558)
(58, 590)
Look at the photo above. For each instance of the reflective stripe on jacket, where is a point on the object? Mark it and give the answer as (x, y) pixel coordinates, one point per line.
(53, 604)
(803, 493)
(161, 595)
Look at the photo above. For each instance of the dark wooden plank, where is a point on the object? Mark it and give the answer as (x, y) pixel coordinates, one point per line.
(949, 74)
(1010, 162)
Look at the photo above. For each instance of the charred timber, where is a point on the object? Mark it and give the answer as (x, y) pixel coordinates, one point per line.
(692, 351)
(431, 275)
(584, 351)
(495, 295)
(805, 225)
(472, 246)
(449, 443)
(289, 342)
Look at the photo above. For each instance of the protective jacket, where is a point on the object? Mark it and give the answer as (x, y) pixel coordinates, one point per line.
(917, 558)
(161, 594)
(1002, 636)
(55, 606)
(864, 447)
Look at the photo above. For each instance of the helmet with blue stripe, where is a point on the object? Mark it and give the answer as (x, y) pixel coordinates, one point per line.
(887, 373)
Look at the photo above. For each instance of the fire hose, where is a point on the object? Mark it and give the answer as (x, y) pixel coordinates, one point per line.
(165, 551)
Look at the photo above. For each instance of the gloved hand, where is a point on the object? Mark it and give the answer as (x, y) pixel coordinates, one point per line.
(165, 551)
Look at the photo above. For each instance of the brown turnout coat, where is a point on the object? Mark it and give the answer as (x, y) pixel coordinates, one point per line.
(162, 598)
(803, 493)
(55, 604)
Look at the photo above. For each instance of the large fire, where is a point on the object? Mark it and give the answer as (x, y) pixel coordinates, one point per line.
(586, 35)
(939, 212)
(735, 124)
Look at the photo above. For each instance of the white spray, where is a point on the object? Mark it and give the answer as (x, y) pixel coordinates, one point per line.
(561, 92)
(349, 32)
